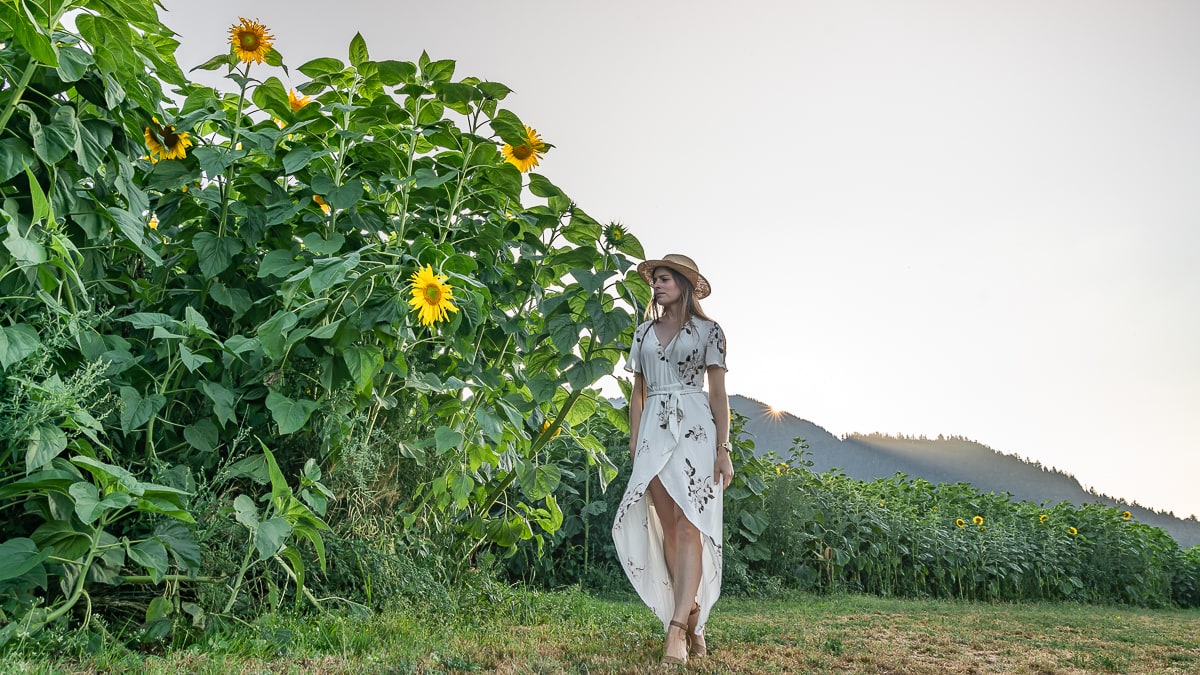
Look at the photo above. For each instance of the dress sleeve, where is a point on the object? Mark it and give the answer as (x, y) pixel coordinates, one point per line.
(633, 362)
(714, 348)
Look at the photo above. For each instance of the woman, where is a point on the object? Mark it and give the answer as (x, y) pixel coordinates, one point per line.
(668, 526)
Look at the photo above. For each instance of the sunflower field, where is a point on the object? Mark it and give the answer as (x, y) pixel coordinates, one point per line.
(259, 341)
(322, 340)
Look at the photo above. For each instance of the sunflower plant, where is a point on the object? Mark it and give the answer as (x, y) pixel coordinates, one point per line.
(342, 275)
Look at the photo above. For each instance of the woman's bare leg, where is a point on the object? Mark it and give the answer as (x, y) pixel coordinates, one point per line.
(665, 507)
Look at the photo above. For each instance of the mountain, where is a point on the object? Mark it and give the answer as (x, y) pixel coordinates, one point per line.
(941, 460)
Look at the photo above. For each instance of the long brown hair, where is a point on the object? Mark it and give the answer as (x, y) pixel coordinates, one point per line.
(691, 306)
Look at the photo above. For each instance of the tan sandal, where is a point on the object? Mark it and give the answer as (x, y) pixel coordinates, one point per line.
(669, 659)
(696, 644)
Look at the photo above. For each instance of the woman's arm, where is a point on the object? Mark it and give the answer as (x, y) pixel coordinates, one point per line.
(637, 400)
(718, 402)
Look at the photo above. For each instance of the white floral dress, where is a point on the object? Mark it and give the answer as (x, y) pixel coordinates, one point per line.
(677, 443)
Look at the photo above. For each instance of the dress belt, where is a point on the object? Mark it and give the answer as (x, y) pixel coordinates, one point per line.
(674, 405)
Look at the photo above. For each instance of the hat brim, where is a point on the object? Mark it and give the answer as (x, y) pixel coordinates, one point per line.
(700, 286)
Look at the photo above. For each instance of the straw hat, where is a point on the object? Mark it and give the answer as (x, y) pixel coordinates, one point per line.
(682, 264)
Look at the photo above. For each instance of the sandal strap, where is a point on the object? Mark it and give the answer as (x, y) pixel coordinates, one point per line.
(679, 625)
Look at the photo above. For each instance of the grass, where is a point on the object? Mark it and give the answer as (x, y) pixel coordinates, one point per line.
(572, 632)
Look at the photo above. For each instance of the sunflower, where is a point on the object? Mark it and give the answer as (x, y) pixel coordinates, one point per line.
(1125, 515)
(526, 155)
(431, 296)
(321, 203)
(166, 143)
(1072, 531)
(960, 522)
(1043, 518)
(250, 40)
(978, 520)
(614, 233)
(296, 101)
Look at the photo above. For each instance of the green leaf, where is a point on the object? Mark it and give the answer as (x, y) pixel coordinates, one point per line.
(202, 435)
(585, 373)
(564, 332)
(73, 62)
(214, 253)
(446, 439)
(45, 442)
(345, 196)
(227, 60)
(279, 263)
(191, 360)
(134, 229)
(291, 415)
(273, 98)
(22, 249)
(53, 142)
(330, 271)
(297, 159)
(182, 545)
(18, 556)
(32, 37)
(15, 157)
(273, 331)
(245, 512)
(358, 50)
(392, 73)
(152, 555)
(270, 537)
(17, 342)
(460, 488)
(537, 482)
(364, 363)
(508, 127)
(137, 409)
(222, 400)
(319, 245)
(94, 139)
(322, 66)
(89, 506)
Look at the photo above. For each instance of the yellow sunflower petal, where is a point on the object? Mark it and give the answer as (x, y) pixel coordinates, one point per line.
(297, 101)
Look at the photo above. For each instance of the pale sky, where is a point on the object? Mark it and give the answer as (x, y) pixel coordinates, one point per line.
(968, 218)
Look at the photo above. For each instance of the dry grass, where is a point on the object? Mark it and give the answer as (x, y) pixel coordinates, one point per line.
(574, 633)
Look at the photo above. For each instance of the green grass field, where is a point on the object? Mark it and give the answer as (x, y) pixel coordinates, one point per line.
(572, 632)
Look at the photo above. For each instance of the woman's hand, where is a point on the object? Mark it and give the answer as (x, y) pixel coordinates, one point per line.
(723, 469)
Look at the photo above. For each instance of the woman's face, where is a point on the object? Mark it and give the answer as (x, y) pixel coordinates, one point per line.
(666, 290)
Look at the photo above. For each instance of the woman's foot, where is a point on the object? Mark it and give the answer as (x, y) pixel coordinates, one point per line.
(675, 648)
(696, 644)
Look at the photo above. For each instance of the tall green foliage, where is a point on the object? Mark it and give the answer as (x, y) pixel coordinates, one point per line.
(169, 310)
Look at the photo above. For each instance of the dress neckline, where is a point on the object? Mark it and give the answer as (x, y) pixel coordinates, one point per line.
(654, 329)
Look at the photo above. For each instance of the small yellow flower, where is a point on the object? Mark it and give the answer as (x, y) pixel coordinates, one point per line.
(166, 143)
(1072, 531)
(431, 296)
(278, 122)
(960, 522)
(250, 40)
(297, 101)
(153, 224)
(978, 520)
(321, 203)
(546, 426)
(778, 471)
(526, 155)
(1043, 518)
(238, 146)
(1125, 515)
(881, 503)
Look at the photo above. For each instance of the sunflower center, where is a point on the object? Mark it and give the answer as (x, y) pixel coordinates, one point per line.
(522, 152)
(248, 40)
(433, 294)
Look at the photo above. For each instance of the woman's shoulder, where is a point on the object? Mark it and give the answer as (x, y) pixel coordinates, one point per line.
(705, 326)
(639, 333)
